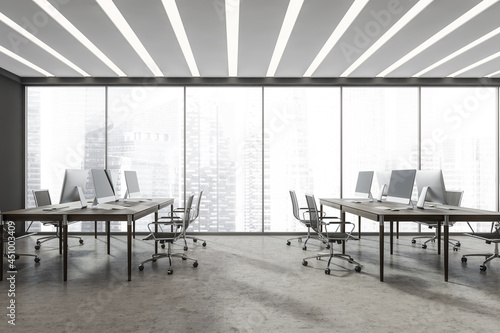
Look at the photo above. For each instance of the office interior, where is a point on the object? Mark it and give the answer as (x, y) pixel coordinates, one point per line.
(303, 97)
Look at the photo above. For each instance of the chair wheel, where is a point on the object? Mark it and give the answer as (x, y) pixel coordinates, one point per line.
(204, 244)
(424, 246)
(339, 242)
(141, 267)
(327, 246)
(288, 243)
(184, 258)
(194, 240)
(37, 247)
(185, 248)
(162, 246)
(464, 259)
(357, 269)
(153, 259)
(413, 241)
(17, 256)
(170, 271)
(455, 248)
(81, 241)
(304, 262)
(327, 271)
(482, 268)
(37, 260)
(304, 247)
(195, 264)
(458, 244)
(38, 243)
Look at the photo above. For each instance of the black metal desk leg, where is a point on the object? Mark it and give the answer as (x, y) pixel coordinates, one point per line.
(381, 246)
(439, 236)
(65, 246)
(129, 246)
(446, 247)
(391, 228)
(108, 232)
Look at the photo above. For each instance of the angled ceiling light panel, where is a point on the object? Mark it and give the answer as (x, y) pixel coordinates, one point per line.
(493, 74)
(410, 15)
(346, 21)
(180, 33)
(460, 51)
(59, 18)
(476, 64)
(232, 30)
(41, 44)
(291, 15)
(119, 21)
(479, 8)
(24, 61)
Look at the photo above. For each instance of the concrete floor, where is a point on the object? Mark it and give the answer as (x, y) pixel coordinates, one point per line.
(252, 284)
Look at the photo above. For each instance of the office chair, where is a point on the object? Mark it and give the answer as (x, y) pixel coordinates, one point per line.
(179, 211)
(42, 198)
(338, 236)
(6, 235)
(491, 237)
(179, 227)
(453, 198)
(296, 213)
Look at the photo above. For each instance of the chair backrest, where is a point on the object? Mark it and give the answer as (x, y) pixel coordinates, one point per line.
(454, 198)
(187, 212)
(295, 205)
(197, 209)
(313, 213)
(42, 198)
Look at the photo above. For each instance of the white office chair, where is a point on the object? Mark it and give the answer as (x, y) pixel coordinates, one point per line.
(453, 198)
(42, 198)
(179, 227)
(491, 237)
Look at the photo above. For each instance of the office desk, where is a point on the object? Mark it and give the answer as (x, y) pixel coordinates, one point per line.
(132, 211)
(371, 211)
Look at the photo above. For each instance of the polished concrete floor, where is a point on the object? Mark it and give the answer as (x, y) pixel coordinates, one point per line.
(252, 284)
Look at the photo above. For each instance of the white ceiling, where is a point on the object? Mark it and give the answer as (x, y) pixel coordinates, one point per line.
(259, 26)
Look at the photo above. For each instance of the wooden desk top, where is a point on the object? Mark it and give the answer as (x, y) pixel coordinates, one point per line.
(73, 211)
(373, 210)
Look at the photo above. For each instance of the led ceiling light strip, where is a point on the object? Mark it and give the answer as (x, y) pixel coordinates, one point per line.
(441, 34)
(476, 64)
(40, 44)
(346, 21)
(119, 21)
(410, 15)
(459, 52)
(291, 15)
(24, 61)
(232, 31)
(59, 18)
(180, 33)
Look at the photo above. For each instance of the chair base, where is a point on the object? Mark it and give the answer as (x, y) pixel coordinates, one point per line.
(196, 239)
(331, 255)
(454, 242)
(168, 255)
(41, 240)
(307, 237)
(489, 257)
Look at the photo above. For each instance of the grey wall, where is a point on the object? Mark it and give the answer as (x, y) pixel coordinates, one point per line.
(11, 143)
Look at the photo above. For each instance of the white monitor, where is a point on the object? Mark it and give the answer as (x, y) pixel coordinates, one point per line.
(364, 184)
(113, 178)
(72, 179)
(132, 184)
(383, 179)
(401, 186)
(430, 186)
(102, 187)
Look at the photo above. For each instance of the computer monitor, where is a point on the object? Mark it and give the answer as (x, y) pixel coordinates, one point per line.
(102, 187)
(383, 179)
(113, 175)
(72, 179)
(132, 184)
(364, 185)
(430, 186)
(401, 186)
